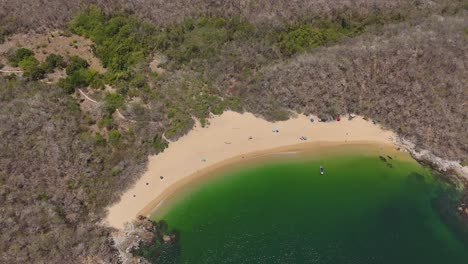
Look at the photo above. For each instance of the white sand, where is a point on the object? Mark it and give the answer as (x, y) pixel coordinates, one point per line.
(225, 138)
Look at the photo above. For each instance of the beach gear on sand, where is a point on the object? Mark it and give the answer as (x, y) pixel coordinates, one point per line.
(312, 120)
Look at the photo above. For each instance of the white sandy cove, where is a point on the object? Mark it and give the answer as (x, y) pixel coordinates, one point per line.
(226, 137)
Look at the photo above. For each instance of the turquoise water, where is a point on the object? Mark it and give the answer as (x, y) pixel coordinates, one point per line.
(362, 210)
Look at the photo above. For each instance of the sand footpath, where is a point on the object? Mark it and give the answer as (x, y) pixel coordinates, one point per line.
(230, 136)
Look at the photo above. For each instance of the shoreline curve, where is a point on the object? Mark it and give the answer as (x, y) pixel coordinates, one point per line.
(281, 153)
(204, 150)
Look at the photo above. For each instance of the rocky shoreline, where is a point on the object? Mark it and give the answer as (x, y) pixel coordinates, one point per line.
(140, 232)
(130, 238)
(448, 169)
(426, 157)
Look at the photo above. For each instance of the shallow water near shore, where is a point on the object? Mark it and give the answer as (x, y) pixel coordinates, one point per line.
(362, 210)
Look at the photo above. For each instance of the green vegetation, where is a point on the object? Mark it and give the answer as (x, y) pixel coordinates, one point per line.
(31, 68)
(112, 102)
(106, 122)
(198, 52)
(123, 43)
(200, 38)
(80, 78)
(52, 62)
(303, 37)
(76, 63)
(159, 143)
(19, 55)
(300, 38)
(120, 41)
(24, 58)
(79, 75)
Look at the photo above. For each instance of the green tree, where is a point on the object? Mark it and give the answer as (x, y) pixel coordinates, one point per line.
(73, 81)
(112, 102)
(120, 41)
(159, 144)
(31, 68)
(76, 63)
(52, 62)
(299, 39)
(19, 55)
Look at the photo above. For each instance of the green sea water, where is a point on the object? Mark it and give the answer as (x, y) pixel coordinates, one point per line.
(362, 210)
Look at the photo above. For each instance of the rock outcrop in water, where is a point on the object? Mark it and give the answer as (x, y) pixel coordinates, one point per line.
(457, 214)
(129, 239)
(145, 241)
(427, 157)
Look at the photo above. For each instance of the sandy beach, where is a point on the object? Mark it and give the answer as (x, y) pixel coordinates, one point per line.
(230, 138)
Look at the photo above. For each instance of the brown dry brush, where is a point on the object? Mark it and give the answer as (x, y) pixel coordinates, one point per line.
(43, 218)
(36, 15)
(411, 79)
(56, 177)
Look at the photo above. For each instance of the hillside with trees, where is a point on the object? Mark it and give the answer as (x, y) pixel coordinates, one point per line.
(70, 147)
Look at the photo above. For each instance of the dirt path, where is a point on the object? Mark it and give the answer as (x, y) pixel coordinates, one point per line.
(123, 117)
(10, 71)
(165, 138)
(87, 97)
(117, 111)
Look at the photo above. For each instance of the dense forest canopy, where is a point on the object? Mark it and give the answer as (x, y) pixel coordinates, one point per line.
(402, 63)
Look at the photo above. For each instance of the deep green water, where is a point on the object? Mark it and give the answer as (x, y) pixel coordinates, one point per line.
(360, 211)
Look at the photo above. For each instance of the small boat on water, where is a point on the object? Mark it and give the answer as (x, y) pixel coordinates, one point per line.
(321, 170)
